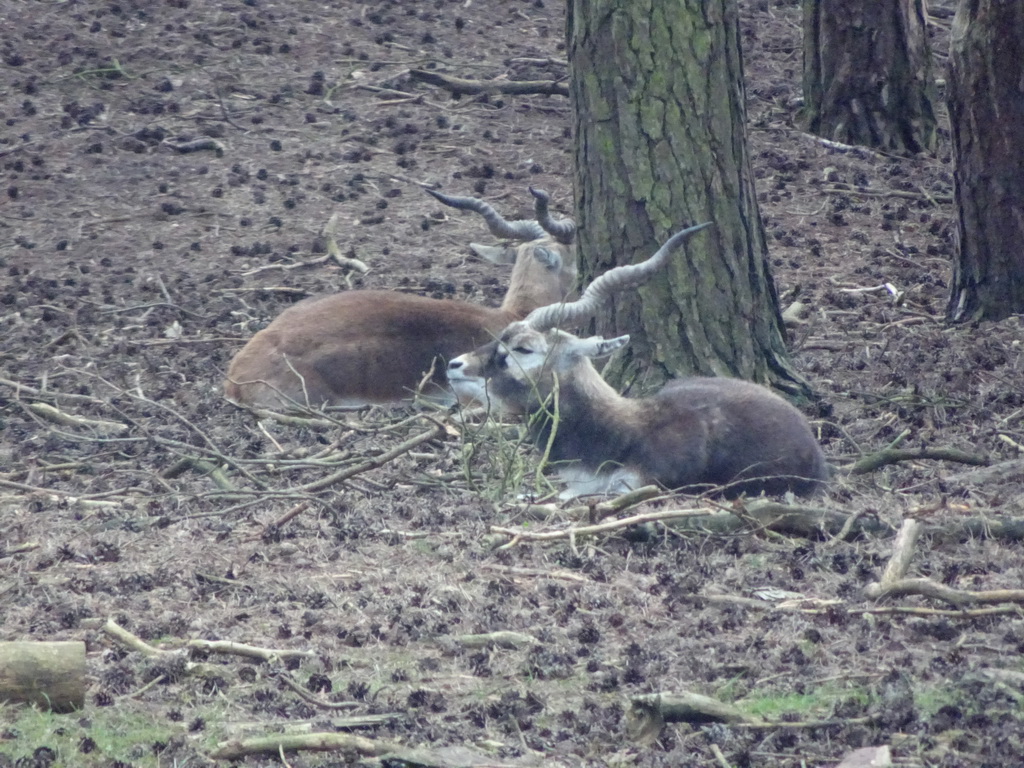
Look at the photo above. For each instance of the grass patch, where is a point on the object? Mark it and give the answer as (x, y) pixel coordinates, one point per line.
(808, 706)
(496, 459)
(81, 741)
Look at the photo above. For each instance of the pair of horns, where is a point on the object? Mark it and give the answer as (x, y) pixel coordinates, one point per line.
(617, 279)
(564, 231)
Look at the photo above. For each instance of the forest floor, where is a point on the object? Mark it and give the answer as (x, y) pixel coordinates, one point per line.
(132, 271)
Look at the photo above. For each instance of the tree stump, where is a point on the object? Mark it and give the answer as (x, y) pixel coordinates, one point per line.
(49, 675)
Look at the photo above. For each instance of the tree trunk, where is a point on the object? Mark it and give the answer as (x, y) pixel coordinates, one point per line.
(658, 102)
(867, 73)
(986, 112)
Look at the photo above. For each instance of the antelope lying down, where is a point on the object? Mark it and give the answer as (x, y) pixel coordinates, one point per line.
(694, 432)
(376, 347)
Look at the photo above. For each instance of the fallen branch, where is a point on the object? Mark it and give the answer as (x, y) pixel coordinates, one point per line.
(894, 582)
(649, 712)
(136, 643)
(536, 573)
(978, 528)
(719, 756)
(994, 473)
(292, 513)
(808, 522)
(816, 523)
(63, 496)
(20, 549)
(894, 455)
(131, 640)
(847, 529)
(462, 87)
(818, 607)
(286, 267)
(346, 262)
(595, 511)
(388, 752)
(234, 749)
(867, 757)
(933, 589)
(57, 416)
(20, 389)
(590, 530)
(294, 421)
(223, 581)
(324, 482)
(318, 702)
(198, 145)
(204, 468)
(298, 293)
(787, 519)
(864, 191)
(249, 651)
(902, 552)
(500, 639)
(687, 707)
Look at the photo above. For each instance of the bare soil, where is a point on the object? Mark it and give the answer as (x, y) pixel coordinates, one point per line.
(132, 271)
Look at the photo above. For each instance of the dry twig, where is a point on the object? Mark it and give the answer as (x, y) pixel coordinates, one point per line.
(248, 651)
(893, 455)
(462, 87)
(590, 530)
(234, 749)
(57, 416)
(895, 583)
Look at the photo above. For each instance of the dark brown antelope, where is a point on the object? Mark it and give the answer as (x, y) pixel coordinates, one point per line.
(377, 347)
(695, 433)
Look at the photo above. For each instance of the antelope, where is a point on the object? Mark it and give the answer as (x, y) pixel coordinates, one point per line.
(719, 433)
(368, 347)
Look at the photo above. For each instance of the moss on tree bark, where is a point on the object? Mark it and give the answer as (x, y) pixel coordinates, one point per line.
(658, 101)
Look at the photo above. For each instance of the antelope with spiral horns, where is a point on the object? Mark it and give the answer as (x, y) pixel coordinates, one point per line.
(695, 433)
(368, 347)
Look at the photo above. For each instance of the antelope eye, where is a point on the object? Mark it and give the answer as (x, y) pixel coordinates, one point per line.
(522, 350)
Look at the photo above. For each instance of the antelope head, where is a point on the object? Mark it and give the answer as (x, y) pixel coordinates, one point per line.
(522, 362)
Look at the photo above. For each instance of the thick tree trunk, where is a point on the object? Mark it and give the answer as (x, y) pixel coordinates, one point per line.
(986, 112)
(867, 73)
(657, 94)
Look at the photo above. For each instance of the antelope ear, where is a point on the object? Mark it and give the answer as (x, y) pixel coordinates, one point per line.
(596, 346)
(496, 254)
(549, 257)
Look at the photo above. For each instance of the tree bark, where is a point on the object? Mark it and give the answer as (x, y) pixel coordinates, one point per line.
(660, 120)
(867, 73)
(986, 112)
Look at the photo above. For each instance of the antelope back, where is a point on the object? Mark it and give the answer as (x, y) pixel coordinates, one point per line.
(355, 348)
(732, 433)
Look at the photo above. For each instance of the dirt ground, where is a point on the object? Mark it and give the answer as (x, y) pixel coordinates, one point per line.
(132, 271)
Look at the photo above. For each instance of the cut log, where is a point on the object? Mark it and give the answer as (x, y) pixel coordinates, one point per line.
(49, 675)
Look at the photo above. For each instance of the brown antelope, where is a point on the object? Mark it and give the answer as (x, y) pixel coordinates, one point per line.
(377, 347)
(712, 432)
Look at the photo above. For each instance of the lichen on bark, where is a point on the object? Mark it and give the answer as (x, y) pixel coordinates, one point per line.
(659, 112)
